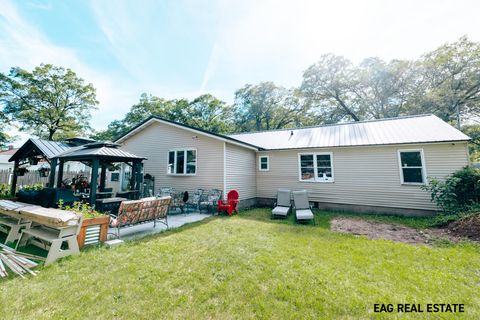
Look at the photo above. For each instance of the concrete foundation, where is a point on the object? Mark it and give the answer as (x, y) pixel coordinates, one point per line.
(268, 202)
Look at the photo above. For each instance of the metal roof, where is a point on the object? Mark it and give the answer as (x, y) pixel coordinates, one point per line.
(48, 148)
(98, 149)
(403, 130)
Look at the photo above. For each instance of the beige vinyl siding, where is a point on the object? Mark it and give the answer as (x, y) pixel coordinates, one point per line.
(240, 171)
(154, 142)
(367, 176)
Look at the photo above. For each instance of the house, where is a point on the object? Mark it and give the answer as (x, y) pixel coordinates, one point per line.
(4, 156)
(374, 166)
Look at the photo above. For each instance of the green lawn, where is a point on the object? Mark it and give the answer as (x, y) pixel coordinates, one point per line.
(248, 266)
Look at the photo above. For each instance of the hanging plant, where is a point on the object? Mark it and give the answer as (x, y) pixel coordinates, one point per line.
(44, 172)
(21, 171)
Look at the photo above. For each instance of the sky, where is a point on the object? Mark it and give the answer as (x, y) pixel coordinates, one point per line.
(184, 48)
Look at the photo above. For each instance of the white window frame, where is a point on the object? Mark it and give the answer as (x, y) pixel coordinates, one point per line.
(185, 150)
(315, 169)
(260, 163)
(423, 167)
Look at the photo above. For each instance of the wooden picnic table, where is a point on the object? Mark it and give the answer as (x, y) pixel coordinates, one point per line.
(49, 225)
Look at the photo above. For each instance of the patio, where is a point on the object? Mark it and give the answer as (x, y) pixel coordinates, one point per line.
(145, 229)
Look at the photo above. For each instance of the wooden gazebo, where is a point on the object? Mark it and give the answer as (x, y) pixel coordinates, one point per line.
(99, 155)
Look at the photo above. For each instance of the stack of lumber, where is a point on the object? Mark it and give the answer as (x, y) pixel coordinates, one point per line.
(17, 262)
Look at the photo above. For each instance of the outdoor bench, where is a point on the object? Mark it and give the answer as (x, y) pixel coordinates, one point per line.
(139, 211)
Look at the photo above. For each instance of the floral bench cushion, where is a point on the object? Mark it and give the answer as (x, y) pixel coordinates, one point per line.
(135, 211)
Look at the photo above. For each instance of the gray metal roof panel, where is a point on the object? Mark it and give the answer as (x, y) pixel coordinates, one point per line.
(50, 148)
(403, 130)
(104, 151)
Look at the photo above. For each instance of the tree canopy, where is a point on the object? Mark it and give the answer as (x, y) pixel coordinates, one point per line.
(205, 111)
(50, 102)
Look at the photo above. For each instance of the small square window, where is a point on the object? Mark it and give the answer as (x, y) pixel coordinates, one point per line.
(263, 163)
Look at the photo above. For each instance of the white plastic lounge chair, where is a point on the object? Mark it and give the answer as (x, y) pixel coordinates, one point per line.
(303, 211)
(282, 206)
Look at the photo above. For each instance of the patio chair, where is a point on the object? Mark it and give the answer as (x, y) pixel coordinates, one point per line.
(193, 201)
(209, 200)
(165, 191)
(303, 210)
(177, 201)
(229, 205)
(283, 205)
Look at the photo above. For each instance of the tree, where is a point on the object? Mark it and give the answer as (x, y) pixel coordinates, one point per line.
(266, 106)
(50, 102)
(452, 81)
(330, 85)
(384, 90)
(211, 114)
(473, 131)
(205, 112)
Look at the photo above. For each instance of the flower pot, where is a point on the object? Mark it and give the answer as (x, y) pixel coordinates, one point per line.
(93, 231)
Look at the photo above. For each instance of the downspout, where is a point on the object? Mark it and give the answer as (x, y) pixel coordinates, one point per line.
(224, 170)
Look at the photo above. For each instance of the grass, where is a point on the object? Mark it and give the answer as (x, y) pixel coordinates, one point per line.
(248, 266)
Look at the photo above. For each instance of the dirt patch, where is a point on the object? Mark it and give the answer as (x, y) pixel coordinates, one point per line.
(468, 227)
(386, 231)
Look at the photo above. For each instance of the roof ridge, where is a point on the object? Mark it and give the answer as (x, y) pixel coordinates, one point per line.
(337, 124)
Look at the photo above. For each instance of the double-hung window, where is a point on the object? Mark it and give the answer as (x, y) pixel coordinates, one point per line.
(412, 166)
(316, 167)
(182, 162)
(263, 163)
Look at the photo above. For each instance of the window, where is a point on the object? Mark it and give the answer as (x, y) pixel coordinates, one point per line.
(412, 166)
(316, 167)
(263, 163)
(182, 161)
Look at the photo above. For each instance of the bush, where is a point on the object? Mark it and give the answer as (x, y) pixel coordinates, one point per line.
(82, 208)
(459, 192)
(4, 190)
(32, 187)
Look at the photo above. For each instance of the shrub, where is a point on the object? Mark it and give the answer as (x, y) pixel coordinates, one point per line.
(32, 187)
(459, 192)
(83, 208)
(4, 190)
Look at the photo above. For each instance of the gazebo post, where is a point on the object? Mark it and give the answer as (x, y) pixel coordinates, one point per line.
(103, 177)
(139, 178)
(13, 187)
(60, 173)
(51, 177)
(93, 182)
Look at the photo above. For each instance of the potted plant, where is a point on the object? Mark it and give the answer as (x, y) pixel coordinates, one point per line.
(30, 193)
(21, 171)
(94, 228)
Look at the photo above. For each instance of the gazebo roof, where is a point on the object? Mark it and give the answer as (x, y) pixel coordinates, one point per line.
(102, 150)
(39, 147)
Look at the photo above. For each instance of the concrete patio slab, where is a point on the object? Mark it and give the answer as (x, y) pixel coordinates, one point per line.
(145, 229)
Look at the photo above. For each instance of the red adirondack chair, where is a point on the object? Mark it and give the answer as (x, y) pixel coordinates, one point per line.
(229, 205)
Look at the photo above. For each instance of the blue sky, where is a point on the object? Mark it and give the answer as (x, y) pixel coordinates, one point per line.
(184, 48)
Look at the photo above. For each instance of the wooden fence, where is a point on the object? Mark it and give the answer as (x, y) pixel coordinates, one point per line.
(33, 177)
